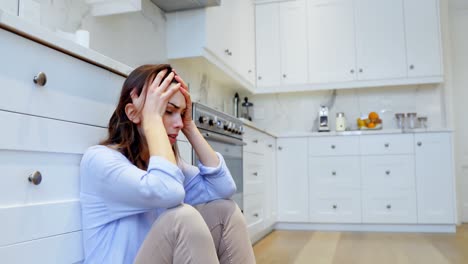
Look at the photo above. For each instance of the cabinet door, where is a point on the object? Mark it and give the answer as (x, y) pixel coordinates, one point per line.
(245, 60)
(293, 41)
(9, 6)
(434, 178)
(422, 27)
(380, 39)
(293, 184)
(270, 181)
(220, 22)
(331, 41)
(267, 45)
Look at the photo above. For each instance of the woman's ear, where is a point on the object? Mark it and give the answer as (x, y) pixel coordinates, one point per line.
(132, 113)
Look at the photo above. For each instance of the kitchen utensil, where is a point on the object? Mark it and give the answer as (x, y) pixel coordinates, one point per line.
(247, 109)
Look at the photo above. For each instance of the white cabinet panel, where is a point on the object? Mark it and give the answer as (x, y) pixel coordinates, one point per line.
(388, 172)
(331, 41)
(267, 23)
(434, 178)
(387, 144)
(389, 207)
(380, 39)
(293, 184)
(293, 40)
(9, 6)
(75, 90)
(335, 205)
(254, 173)
(271, 181)
(423, 45)
(332, 172)
(333, 146)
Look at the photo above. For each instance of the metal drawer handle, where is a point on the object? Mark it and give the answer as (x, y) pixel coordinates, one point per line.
(387, 145)
(255, 173)
(40, 79)
(35, 178)
(333, 146)
(255, 141)
(334, 173)
(387, 172)
(419, 144)
(389, 206)
(335, 206)
(256, 214)
(270, 145)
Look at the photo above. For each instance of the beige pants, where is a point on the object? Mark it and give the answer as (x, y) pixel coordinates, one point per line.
(214, 232)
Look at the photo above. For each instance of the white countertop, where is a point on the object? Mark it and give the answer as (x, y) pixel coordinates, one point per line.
(364, 132)
(255, 126)
(49, 38)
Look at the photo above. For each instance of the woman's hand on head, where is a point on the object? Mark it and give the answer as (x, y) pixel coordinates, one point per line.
(187, 118)
(158, 94)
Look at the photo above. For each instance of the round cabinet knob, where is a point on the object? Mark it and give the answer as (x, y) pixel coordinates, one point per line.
(411, 67)
(361, 70)
(270, 145)
(333, 146)
(255, 215)
(387, 145)
(419, 144)
(284, 76)
(387, 172)
(389, 206)
(335, 206)
(40, 79)
(249, 71)
(334, 173)
(352, 71)
(255, 141)
(280, 148)
(259, 77)
(35, 178)
(255, 174)
(226, 51)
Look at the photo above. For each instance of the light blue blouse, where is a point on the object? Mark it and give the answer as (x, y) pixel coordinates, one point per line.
(120, 202)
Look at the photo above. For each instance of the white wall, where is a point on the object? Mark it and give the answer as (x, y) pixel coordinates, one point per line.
(459, 36)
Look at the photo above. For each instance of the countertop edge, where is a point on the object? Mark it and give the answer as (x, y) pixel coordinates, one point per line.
(47, 37)
(365, 132)
(254, 126)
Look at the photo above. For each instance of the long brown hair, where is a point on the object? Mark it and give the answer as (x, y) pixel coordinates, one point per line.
(123, 133)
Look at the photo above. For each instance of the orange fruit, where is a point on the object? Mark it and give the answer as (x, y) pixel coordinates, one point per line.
(373, 116)
(371, 125)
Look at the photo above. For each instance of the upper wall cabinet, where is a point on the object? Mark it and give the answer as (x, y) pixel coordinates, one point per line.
(349, 44)
(9, 6)
(281, 45)
(224, 35)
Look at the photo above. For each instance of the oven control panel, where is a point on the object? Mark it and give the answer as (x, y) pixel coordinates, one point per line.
(216, 121)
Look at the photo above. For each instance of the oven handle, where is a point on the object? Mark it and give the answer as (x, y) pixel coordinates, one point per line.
(223, 139)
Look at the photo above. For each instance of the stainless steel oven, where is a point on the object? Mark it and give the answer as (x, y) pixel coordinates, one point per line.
(224, 133)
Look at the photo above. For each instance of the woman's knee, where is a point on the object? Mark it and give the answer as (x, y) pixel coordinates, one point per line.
(222, 209)
(183, 213)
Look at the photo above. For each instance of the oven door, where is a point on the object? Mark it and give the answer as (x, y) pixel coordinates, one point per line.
(231, 149)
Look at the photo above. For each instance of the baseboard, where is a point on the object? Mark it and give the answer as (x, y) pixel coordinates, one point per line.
(257, 237)
(448, 228)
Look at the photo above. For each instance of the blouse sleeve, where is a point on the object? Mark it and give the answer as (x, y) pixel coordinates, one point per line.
(126, 189)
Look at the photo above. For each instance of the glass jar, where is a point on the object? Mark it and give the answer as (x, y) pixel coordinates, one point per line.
(422, 121)
(400, 120)
(340, 121)
(411, 117)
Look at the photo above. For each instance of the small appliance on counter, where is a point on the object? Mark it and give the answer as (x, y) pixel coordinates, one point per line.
(340, 122)
(247, 109)
(323, 119)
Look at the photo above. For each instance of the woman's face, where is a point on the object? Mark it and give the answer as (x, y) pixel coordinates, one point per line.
(172, 118)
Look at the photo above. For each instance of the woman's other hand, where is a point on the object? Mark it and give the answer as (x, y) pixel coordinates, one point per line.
(187, 117)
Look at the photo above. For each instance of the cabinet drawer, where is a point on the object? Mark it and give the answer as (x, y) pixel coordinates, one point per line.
(254, 177)
(254, 141)
(340, 171)
(75, 90)
(331, 146)
(253, 208)
(389, 207)
(385, 172)
(335, 206)
(386, 144)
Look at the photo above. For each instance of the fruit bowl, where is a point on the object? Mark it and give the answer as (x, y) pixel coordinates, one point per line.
(377, 127)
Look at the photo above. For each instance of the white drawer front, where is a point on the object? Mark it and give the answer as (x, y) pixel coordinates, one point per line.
(388, 172)
(253, 208)
(66, 248)
(335, 206)
(329, 172)
(75, 90)
(389, 207)
(387, 144)
(333, 146)
(254, 178)
(254, 140)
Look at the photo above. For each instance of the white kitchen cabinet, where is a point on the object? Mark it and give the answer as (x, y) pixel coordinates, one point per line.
(267, 35)
(9, 6)
(293, 39)
(281, 45)
(331, 41)
(293, 180)
(215, 34)
(434, 178)
(380, 39)
(423, 40)
(271, 183)
(49, 128)
(389, 207)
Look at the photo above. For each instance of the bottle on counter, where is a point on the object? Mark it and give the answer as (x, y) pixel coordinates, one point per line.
(235, 111)
(340, 122)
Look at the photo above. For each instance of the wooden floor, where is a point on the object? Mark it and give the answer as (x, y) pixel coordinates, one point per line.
(314, 247)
